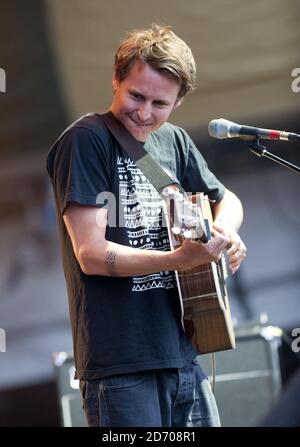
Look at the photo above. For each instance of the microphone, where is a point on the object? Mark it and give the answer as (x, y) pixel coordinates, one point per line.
(221, 128)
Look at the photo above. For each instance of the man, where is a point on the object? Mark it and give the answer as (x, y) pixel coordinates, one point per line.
(135, 363)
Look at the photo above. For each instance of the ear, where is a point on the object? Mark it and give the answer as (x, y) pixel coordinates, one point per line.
(115, 82)
(178, 103)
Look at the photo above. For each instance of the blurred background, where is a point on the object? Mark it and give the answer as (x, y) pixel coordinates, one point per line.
(58, 58)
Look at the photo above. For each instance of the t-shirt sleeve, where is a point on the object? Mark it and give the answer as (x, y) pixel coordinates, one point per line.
(198, 177)
(79, 168)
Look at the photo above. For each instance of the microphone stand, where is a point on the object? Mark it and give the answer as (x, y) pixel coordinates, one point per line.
(259, 150)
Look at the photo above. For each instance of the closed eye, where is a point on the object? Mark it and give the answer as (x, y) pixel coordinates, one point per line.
(139, 97)
(161, 103)
(136, 95)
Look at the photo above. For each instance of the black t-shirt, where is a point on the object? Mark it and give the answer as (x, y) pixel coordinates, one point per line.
(124, 324)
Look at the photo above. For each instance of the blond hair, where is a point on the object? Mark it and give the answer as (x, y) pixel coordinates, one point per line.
(163, 50)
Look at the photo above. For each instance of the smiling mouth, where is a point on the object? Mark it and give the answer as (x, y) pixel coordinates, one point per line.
(140, 124)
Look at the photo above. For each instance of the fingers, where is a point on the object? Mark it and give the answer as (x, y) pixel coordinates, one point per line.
(220, 235)
(219, 242)
(236, 254)
(225, 232)
(236, 249)
(235, 246)
(195, 253)
(219, 229)
(215, 247)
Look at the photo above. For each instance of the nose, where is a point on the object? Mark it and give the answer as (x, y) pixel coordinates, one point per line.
(144, 111)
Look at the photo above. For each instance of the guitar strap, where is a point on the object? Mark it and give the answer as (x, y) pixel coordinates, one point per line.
(143, 160)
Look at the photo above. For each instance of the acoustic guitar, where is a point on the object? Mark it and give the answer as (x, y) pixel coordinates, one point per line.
(202, 290)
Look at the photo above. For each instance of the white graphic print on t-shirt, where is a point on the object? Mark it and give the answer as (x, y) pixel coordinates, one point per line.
(141, 213)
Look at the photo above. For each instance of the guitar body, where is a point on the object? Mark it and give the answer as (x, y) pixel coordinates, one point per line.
(206, 312)
(204, 301)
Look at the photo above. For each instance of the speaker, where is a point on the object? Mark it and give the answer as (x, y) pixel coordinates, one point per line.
(247, 378)
(69, 396)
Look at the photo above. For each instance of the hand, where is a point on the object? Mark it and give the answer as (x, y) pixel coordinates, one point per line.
(236, 249)
(191, 254)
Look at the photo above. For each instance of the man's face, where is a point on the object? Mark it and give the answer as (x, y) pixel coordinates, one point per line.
(144, 100)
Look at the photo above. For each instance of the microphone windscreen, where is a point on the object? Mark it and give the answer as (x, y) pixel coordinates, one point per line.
(221, 128)
(218, 128)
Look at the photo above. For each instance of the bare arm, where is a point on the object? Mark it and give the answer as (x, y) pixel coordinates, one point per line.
(228, 217)
(86, 226)
(229, 210)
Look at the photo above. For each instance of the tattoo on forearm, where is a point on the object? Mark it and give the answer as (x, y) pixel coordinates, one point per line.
(110, 262)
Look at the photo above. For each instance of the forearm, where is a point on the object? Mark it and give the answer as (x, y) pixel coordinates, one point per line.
(98, 256)
(229, 210)
(111, 259)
